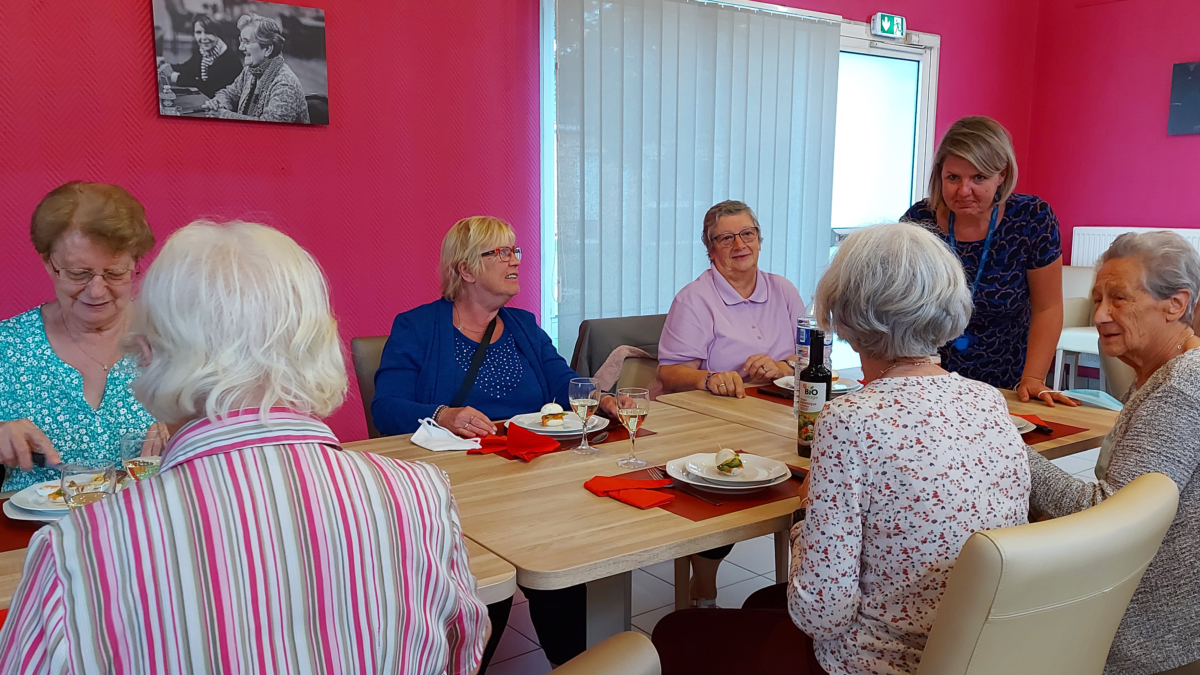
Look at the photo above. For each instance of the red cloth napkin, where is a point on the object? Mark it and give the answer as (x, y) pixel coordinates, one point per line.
(519, 443)
(639, 493)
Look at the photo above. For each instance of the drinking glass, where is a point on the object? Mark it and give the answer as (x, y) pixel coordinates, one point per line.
(141, 452)
(87, 482)
(633, 404)
(584, 394)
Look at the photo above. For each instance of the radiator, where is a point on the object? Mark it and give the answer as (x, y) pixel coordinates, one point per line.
(1089, 243)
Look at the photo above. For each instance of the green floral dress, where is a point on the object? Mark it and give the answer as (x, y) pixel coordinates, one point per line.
(36, 385)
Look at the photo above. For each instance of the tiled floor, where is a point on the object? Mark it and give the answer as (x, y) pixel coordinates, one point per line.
(748, 568)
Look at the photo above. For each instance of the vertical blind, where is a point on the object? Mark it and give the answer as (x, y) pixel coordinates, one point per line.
(666, 107)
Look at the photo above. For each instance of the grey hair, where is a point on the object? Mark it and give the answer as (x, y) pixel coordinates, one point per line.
(267, 32)
(1171, 265)
(894, 291)
(729, 207)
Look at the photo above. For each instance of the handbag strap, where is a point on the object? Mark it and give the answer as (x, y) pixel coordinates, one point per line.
(476, 364)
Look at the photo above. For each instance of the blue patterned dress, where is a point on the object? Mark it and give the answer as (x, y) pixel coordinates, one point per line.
(36, 385)
(1026, 238)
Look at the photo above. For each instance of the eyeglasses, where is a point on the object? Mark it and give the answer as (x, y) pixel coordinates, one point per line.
(81, 277)
(748, 235)
(504, 253)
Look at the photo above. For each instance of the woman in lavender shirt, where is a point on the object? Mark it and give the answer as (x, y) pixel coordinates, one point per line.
(733, 325)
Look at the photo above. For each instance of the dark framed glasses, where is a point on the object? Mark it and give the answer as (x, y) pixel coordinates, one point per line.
(504, 253)
(748, 235)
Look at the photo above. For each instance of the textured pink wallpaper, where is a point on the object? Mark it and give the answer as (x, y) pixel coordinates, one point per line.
(434, 109)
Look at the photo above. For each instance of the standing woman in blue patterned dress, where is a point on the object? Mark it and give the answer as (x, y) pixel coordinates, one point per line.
(64, 382)
(1010, 248)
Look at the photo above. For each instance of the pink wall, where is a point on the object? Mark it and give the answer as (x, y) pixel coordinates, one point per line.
(434, 111)
(1100, 153)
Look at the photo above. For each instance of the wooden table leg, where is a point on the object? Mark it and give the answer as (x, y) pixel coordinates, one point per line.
(683, 582)
(783, 553)
(609, 607)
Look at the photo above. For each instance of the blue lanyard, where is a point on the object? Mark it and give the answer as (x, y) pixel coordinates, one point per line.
(987, 246)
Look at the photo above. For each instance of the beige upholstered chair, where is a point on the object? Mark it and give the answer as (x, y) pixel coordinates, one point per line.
(622, 654)
(365, 352)
(1046, 598)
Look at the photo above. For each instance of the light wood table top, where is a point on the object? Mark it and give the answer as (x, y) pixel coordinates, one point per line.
(778, 419)
(539, 517)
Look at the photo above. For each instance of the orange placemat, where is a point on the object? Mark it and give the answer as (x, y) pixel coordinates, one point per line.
(769, 392)
(694, 509)
(15, 534)
(1060, 430)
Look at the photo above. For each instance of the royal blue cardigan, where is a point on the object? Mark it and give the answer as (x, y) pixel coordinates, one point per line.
(418, 372)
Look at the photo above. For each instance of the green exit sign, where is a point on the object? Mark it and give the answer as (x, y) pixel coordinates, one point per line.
(887, 25)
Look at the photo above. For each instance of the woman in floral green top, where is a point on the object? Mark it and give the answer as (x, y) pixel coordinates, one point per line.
(64, 382)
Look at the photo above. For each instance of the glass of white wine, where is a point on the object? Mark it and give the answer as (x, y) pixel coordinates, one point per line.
(141, 452)
(584, 394)
(88, 482)
(633, 404)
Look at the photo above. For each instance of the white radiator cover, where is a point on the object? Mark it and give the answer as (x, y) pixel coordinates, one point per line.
(1089, 243)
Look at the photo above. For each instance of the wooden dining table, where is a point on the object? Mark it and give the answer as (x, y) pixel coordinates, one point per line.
(777, 418)
(539, 517)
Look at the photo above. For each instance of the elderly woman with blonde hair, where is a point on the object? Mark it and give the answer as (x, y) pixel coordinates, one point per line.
(259, 527)
(903, 472)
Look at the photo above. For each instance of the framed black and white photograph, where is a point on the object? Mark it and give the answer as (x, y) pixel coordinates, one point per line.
(242, 60)
(1185, 99)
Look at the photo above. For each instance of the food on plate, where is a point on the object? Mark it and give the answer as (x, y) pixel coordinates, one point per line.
(728, 462)
(835, 377)
(552, 415)
(57, 496)
(51, 491)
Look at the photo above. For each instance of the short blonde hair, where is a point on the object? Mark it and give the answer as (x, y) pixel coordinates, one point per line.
(983, 142)
(237, 316)
(464, 242)
(106, 214)
(894, 291)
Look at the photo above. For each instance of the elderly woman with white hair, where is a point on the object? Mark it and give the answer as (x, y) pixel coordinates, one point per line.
(261, 544)
(903, 472)
(1145, 301)
(267, 90)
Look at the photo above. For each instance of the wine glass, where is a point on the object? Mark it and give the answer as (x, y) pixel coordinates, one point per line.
(87, 482)
(141, 452)
(584, 394)
(633, 404)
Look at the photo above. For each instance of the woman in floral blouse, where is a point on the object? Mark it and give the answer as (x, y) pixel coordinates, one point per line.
(903, 472)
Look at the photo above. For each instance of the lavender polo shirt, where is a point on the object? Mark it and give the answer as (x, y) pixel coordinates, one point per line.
(710, 321)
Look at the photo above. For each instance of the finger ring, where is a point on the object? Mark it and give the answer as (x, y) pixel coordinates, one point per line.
(722, 385)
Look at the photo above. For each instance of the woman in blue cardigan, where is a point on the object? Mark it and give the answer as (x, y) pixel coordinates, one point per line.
(426, 360)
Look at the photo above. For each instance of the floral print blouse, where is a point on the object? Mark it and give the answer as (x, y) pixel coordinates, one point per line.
(36, 385)
(903, 472)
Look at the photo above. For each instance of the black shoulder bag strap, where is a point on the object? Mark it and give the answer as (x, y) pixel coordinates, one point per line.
(476, 364)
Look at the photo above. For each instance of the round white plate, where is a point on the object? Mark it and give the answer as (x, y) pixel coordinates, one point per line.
(677, 469)
(572, 426)
(755, 470)
(840, 386)
(1023, 425)
(18, 513)
(33, 499)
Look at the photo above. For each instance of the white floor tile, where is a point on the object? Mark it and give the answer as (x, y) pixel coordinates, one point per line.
(532, 663)
(519, 619)
(730, 573)
(646, 622)
(1092, 455)
(663, 570)
(1088, 475)
(1074, 463)
(650, 592)
(512, 644)
(756, 555)
(732, 597)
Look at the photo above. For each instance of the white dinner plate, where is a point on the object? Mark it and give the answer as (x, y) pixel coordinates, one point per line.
(840, 386)
(1023, 425)
(572, 425)
(33, 498)
(755, 470)
(17, 513)
(677, 469)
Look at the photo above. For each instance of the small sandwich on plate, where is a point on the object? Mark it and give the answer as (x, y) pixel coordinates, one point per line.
(835, 376)
(552, 415)
(728, 462)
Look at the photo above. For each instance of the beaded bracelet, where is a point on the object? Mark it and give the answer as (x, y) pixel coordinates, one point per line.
(707, 378)
(438, 411)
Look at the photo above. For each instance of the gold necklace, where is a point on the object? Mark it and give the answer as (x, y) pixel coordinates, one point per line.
(462, 326)
(913, 362)
(63, 321)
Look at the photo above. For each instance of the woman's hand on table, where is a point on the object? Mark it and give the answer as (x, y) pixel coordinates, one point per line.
(1032, 388)
(762, 368)
(19, 439)
(466, 422)
(727, 384)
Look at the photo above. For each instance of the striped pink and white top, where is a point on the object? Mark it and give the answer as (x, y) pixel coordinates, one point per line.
(259, 548)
